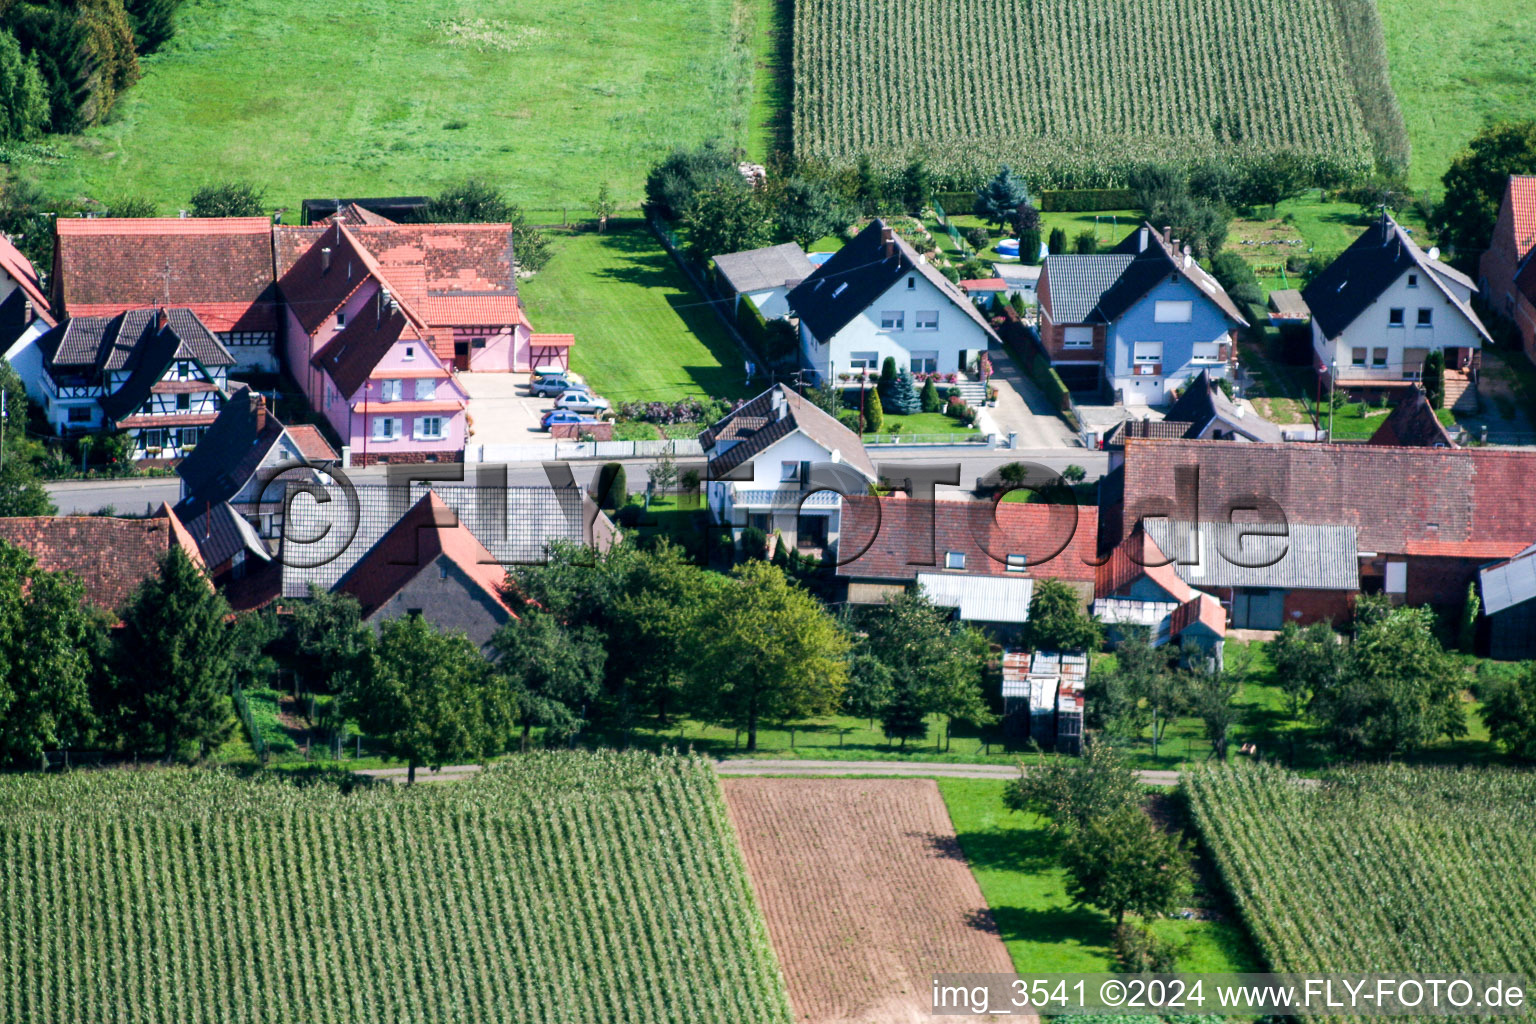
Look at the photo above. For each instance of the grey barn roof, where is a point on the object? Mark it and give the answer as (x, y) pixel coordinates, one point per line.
(761, 269)
(1309, 557)
(1101, 288)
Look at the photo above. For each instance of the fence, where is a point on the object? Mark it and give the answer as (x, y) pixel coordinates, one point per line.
(893, 440)
(243, 710)
(559, 450)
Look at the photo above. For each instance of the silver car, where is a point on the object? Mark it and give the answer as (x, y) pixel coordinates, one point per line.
(581, 401)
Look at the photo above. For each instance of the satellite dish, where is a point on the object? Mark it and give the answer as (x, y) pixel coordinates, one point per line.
(1434, 252)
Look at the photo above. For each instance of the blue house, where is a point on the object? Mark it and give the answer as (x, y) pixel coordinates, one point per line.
(1140, 320)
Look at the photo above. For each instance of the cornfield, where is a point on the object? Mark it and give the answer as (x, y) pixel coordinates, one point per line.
(1074, 92)
(1387, 868)
(566, 887)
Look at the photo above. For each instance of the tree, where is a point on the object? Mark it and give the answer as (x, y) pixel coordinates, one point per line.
(903, 395)
(1212, 689)
(1029, 246)
(1477, 178)
(870, 689)
(913, 187)
(808, 209)
(602, 207)
(931, 401)
(905, 715)
(1057, 620)
(1307, 661)
(867, 191)
(23, 94)
(887, 374)
(1072, 791)
(478, 202)
(936, 664)
(612, 488)
(999, 199)
(130, 206)
(1200, 226)
(1124, 863)
(1085, 243)
(874, 415)
(827, 398)
(727, 216)
(430, 698)
(673, 182)
(1026, 218)
(655, 624)
(663, 473)
(1398, 690)
(1074, 474)
(1509, 711)
(153, 21)
(1140, 691)
(50, 645)
(331, 645)
(1274, 179)
(552, 672)
(172, 663)
(1434, 378)
(229, 199)
(1057, 246)
(767, 650)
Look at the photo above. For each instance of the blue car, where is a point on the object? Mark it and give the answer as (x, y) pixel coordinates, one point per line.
(563, 416)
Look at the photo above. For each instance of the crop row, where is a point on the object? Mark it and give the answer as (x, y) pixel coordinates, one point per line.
(567, 887)
(1072, 93)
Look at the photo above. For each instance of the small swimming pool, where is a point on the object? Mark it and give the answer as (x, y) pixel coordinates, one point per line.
(818, 258)
(1008, 247)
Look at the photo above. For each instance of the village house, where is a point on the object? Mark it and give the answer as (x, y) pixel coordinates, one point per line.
(1382, 306)
(1425, 519)
(1504, 273)
(760, 469)
(1203, 412)
(1136, 586)
(981, 558)
(876, 298)
(218, 267)
(22, 301)
(159, 374)
(763, 277)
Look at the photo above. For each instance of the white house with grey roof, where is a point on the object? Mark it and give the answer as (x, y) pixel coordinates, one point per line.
(781, 464)
(878, 298)
(764, 276)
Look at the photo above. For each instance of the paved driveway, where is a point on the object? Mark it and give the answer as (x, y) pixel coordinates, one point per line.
(1022, 408)
(502, 410)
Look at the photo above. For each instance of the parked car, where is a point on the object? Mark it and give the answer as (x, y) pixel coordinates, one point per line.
(563, 416)
(551, 384)
(581, 401)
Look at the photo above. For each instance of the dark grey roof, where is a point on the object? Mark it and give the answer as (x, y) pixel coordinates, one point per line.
(231, 450)
(1077, 284)
(776, 413)
(858, 274)
(1288, 302)
(1413, 424)
(221, 533)
(760, 269)
(1309, 557)
(118, 342)
(518, 530)
(1203, 404)
(1376, 260)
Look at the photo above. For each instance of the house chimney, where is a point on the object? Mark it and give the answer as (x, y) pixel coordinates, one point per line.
(1175, 245)
(163, 320)
(779, 408)
(259, 409)
(1141, 244)
(1167, 233)
(325, 260)
(888, 239)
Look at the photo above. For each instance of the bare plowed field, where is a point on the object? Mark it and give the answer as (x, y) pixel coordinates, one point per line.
(866, 892)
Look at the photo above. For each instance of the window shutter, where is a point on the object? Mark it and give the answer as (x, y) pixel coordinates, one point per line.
(805, 474)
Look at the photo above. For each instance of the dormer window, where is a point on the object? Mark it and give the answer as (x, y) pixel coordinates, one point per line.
(341, 318)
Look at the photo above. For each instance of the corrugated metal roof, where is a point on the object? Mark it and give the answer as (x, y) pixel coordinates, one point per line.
(980, 598)
(1509, 583)
(1309, 557)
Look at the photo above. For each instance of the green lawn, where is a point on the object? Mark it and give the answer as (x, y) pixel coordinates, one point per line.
(923, 423)
(1455, 63)
(642, 332)
(362, 97)
(1013, 860)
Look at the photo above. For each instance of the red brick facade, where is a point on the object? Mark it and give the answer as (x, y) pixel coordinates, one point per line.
(1514, 235)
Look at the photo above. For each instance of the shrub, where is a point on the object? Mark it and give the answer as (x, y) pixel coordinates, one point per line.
(231, 199)
(1086, 243)
(851, 419)
(874, 415)
(1058, 243)
(930, 398)
(1074, 474)
(754, 543)
(1029, 246)
(887, 372)
(978, 239)
(903, 395)
(612, 489)
(955, 407)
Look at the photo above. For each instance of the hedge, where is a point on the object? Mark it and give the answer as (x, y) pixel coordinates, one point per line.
(1087, 200)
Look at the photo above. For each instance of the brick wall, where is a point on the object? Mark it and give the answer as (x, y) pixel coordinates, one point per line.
(1441, 581)
(572, 431)
(1498, 265)
(1336, 606)
(404, 458)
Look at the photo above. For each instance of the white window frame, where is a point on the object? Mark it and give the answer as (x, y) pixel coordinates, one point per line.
(1413, 280)
(1206, 352)
(410, 353)
(425, 389)
(954, 559)
(870, 361)
(1017, 563)
(1173, 311)
(386, 428)
(1380, 358)
(1426, 317)
(1397, 578)
(1362, 358)
(341, 319)
(423, 434)
(1400, 314)
(391, 390)
(893, 320)
(924, 361)
(925, 320)
(1077, 337)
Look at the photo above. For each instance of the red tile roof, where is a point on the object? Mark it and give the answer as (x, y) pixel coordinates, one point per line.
(220, 267)
(450, 274)
(1204, 609)
(429, 530)
(110, 556)
(314, 293)
(984, 284)
(1136, 557)
(24, 274)
(1453, 502)
(1522, 202)
(881, 537)
(311, 443)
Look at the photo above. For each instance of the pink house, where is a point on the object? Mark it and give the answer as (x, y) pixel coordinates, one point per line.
(380, 317)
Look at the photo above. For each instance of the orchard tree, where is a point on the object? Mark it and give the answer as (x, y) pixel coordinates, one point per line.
(430, 698)
(672, 184)
(1057, 618)
(870, 688)
(331, 646)
(656, 623)
(807, 209)
(1307, 660)
(726, 216)
(1477, 178)
(1124, 862)
(552, 672)
(1509, 711)
(936, 663)
(172, 663)
(767, 650)
(602, 208)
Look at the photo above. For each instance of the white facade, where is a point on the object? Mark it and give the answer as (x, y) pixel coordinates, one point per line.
(914, 322)
(775, 498)
(254, 351)
(771, 302)
(1389, 340)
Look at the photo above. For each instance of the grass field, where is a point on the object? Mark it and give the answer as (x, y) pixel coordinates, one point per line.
(1408, 869)
(363, 97)
(642, 332)
(1013, 860)
(568, 887)
(1455, 63)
